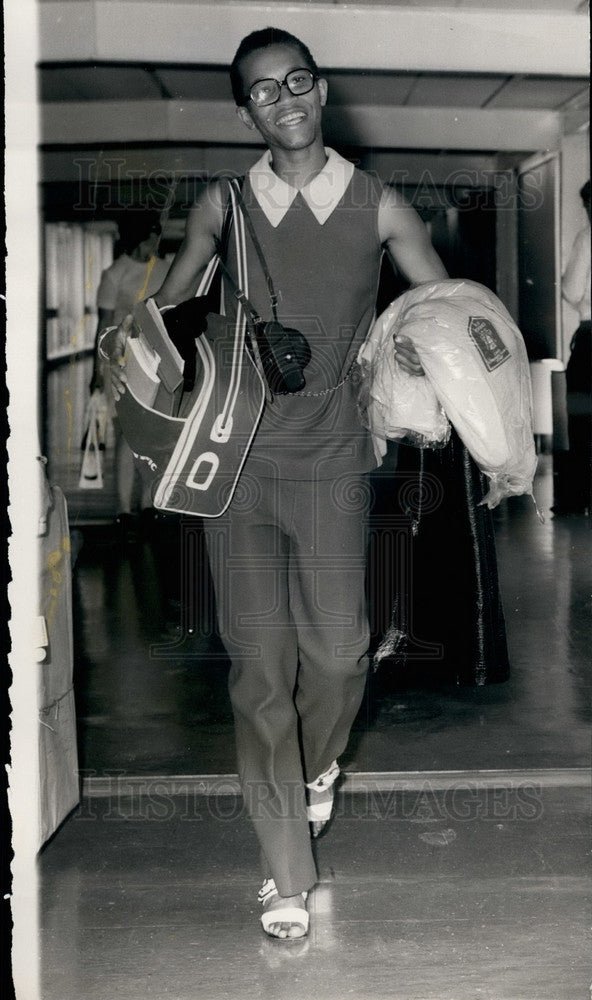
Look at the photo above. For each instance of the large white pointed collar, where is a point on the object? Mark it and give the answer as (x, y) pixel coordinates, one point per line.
(322, 195)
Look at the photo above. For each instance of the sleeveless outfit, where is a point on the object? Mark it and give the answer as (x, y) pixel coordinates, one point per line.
(288, 558)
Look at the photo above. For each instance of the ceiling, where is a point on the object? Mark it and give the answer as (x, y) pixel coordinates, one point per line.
(106, 82)
(488, 84)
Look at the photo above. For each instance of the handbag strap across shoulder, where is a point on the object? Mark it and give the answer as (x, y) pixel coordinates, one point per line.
(221, 242)
(235, 196)
(252, 317)
(258, 250)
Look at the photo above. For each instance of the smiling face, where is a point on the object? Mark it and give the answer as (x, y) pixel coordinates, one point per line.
(293, 122)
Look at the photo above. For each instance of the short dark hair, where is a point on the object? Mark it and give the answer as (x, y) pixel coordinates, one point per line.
(263, 39)
(585, 193)
(136, 225)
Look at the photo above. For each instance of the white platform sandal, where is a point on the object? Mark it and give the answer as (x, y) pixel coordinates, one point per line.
(320, 812)
(283, 914)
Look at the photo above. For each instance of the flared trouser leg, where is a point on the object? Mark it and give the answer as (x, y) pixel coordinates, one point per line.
(328, 605)
(288, 569)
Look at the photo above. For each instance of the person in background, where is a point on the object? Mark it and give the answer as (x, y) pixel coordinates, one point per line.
(575, 288)
(137, 273)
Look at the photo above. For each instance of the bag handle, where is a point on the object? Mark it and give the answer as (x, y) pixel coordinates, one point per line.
(259, 251)
(221, 248)
(251, 317)
(223, 244)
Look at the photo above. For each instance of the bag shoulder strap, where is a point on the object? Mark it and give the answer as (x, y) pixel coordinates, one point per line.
(252, 318)
(258, 250)
(234, 184)
(222, 241)
(222, 246)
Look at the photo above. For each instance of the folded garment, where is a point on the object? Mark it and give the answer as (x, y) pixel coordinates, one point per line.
(477, 375)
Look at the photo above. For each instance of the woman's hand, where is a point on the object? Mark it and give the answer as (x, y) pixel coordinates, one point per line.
(407, 356)
(112, 347)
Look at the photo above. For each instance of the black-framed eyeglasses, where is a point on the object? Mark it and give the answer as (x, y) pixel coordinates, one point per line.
(298, 81)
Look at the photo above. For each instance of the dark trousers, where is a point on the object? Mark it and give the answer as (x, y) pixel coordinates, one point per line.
(288, 564)
(578, 380)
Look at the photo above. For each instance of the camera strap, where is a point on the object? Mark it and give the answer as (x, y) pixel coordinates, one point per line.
(236, 198)
(259, 251)
(266, 346)
(253, 319)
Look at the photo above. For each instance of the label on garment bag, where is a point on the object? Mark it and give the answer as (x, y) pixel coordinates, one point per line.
(488, 342)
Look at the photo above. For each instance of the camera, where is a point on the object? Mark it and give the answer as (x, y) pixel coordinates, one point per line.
(285, 353)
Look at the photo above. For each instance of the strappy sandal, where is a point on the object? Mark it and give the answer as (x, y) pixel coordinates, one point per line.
(281, 915)
(320, 812)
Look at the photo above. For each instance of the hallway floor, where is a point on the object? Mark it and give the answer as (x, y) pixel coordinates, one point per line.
(423, 895)
(152, 699)
(457, 867)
